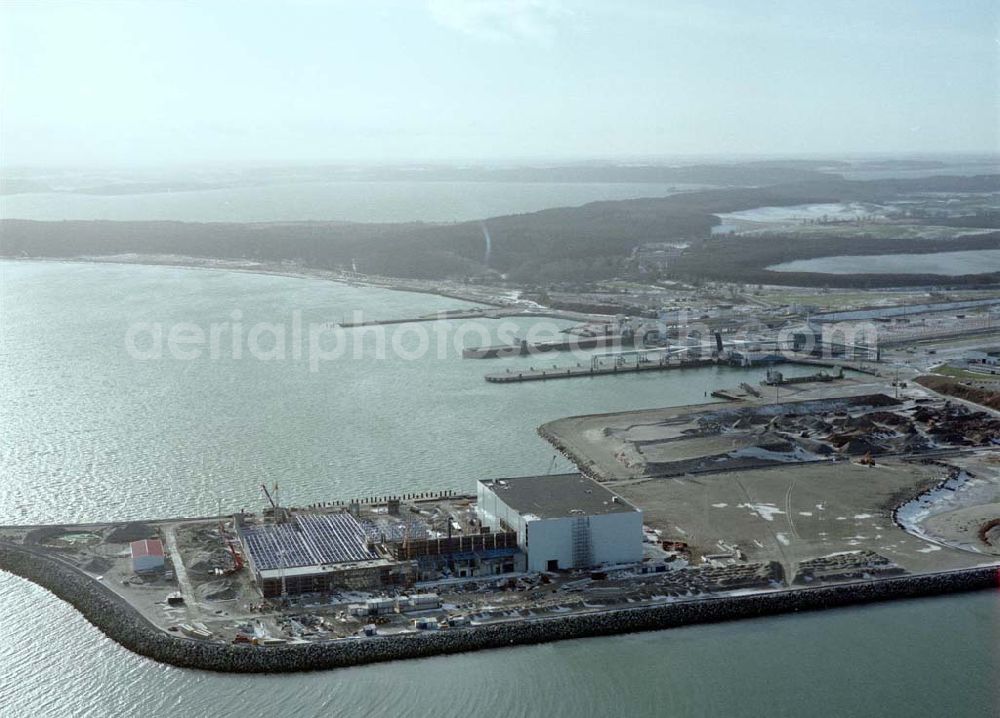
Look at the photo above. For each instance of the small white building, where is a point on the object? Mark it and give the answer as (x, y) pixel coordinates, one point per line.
(147, 555)
(988, 357)
(563, 521)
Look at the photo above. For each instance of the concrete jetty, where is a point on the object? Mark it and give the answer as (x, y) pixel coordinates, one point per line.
(477, 313)
(436, 316)
(523, 348)
(513, 377)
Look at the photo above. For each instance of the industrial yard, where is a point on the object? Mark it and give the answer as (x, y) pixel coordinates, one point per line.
(862, 458)
(849, 469)
(806, 483)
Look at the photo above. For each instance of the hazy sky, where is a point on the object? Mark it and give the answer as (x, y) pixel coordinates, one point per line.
(153, 82)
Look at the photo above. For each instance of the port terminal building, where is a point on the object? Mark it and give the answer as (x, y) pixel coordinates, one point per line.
(562, 521)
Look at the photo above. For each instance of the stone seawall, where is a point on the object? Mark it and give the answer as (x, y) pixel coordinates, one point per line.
(122, 623)
(585, 466)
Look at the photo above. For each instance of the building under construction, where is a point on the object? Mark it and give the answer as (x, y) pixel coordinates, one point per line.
(376, 544)
(306, 552)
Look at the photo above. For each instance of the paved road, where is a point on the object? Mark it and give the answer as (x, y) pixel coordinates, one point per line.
(187, 590)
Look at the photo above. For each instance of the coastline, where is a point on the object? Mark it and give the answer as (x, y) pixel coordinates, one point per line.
(123, 624)
(296, 271)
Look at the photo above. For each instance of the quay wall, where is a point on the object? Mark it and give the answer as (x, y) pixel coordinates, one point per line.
(122, 623)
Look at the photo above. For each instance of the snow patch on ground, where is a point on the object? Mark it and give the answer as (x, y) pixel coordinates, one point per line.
(799, 212)
(937, 500)
(719, 506)
(956, 492)
(765, 511)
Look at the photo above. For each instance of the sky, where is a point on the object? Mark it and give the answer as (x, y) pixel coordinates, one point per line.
(148, 83)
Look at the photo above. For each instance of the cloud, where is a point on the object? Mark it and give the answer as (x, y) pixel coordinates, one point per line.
(524, 20)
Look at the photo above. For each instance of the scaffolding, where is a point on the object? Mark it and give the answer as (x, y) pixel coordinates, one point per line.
(410, 549)
(582, 549)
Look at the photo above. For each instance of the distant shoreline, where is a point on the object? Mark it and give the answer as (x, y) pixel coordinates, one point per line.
(296, 271)
(590, 242)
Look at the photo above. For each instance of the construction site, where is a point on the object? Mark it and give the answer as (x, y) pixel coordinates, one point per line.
(825, 480)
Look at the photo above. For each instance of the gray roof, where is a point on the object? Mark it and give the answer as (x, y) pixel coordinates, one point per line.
(557, 496)
(308, 540)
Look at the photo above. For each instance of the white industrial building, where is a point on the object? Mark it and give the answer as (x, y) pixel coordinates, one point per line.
(562, 521)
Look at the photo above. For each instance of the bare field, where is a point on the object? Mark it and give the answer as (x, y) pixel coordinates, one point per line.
(794, 513)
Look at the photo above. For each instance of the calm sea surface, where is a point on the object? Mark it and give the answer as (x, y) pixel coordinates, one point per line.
(88, 432)
(345, 201)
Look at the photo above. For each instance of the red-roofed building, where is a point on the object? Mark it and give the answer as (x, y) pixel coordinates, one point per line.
(147, 555)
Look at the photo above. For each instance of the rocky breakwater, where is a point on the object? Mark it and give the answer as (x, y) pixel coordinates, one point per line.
(119, 621)
(584, 466)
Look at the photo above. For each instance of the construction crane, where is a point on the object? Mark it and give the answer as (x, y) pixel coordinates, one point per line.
(280, 515)
(268, 495)
(237, 558)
